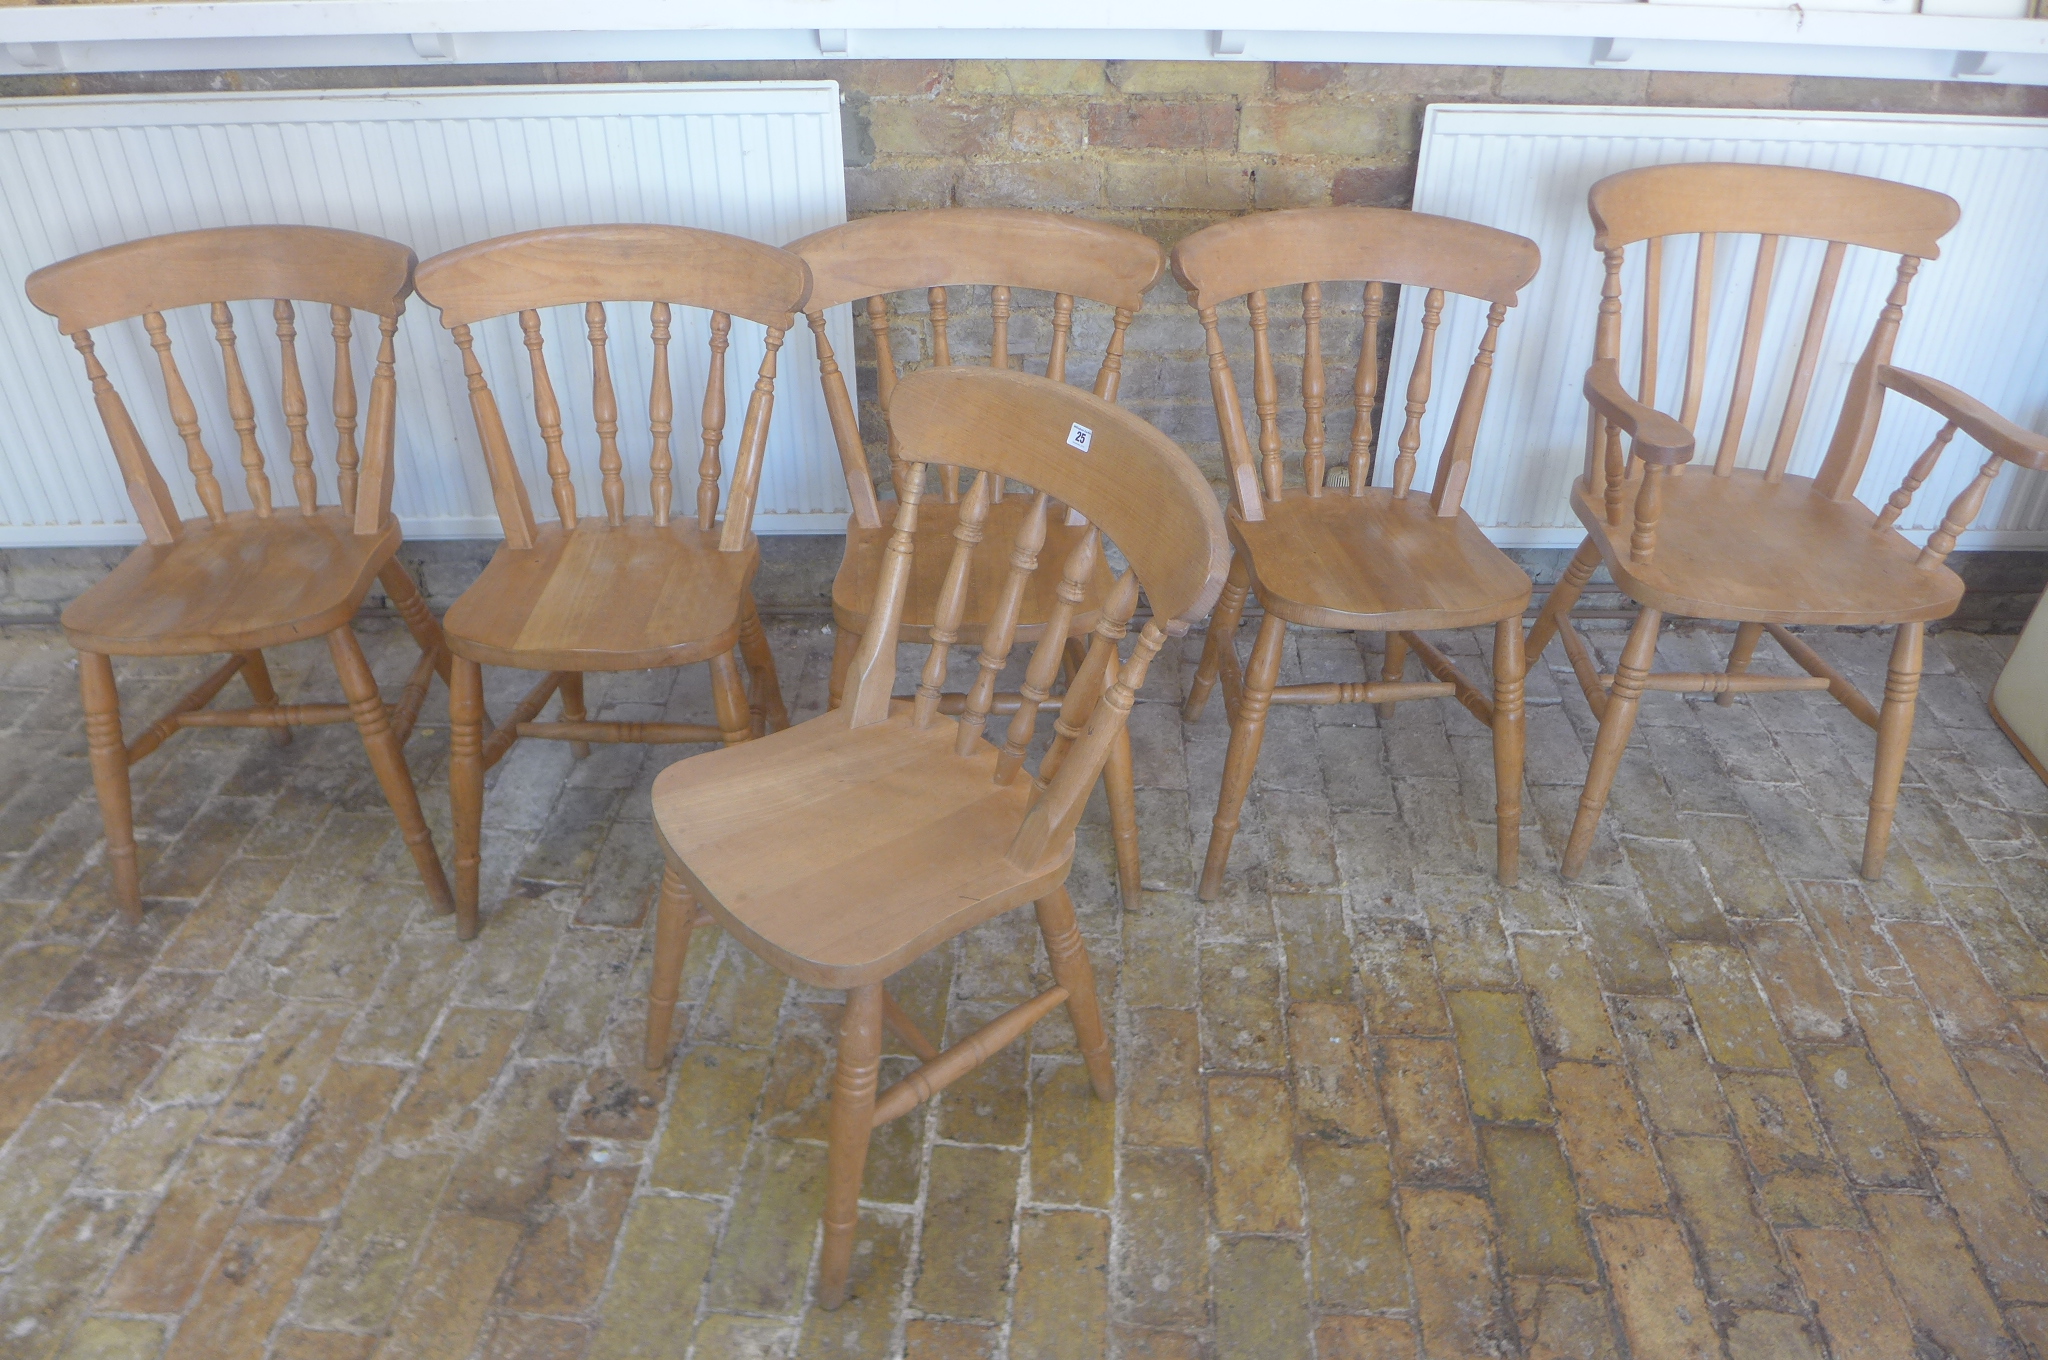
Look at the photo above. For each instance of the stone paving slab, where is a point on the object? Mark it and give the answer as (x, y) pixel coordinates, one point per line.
(1719, 1098)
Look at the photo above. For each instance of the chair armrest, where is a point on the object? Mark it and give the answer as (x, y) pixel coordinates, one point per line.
(1658, 438)
(2009, 441)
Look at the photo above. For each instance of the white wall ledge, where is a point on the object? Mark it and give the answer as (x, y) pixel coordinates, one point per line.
(206, 35)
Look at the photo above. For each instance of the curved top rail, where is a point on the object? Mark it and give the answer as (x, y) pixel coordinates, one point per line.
(224, 264)
(1020, 247)
(624, 262)
(1771, 200)
(1131, 481)
(1320, 245)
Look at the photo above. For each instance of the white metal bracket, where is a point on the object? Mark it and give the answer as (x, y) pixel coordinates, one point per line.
(434, 46)
(37, 56)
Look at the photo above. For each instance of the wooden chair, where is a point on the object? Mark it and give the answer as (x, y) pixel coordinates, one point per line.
(843, 849)
(237, 581)
(610, 592)
(1358, 557)
(1759, 547)
(932, 251)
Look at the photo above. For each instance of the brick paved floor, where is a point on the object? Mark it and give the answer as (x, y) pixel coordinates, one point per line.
(1718, 1095)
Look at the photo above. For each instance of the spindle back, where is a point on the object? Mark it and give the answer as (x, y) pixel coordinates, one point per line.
(345, 270)
(1130, 481)
(1772, 202)
(1308, 247)
(934, 250)
(588, 267)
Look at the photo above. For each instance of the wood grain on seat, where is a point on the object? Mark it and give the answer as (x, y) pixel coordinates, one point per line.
(1744, 548)
(605, 599)
(1374, 562)
(237, 586)
(904, 843)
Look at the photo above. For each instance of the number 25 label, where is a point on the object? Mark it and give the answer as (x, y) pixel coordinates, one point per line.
(1080, 436)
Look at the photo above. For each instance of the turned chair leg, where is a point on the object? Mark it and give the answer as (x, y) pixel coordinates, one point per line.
(675, 916)
(1510, 734)
(768, 713)
(849, 1126)
(1558, 604)
(1739, 656)
(1894, 733)
(844, 646)
(729, 696)
(1120, 788)
(1247, 731)
(387, 758)
(257, 676)
(466, 787)
(110, 776)
(1615, 726)
(405, 597)
(1222, 636)
(1391, 673)
(573, 710)
(1072, 970)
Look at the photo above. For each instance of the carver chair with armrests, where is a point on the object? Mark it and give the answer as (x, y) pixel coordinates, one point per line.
(610, 592)
(1386, 559)
(1760, 547)
(240, 580)
(845, 848)
(927, 254)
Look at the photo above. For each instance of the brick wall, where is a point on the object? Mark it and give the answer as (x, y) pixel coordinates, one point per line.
(1164, 148)
(1167, 148)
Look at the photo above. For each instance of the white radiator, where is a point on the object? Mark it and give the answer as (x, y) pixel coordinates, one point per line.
(433, 169)
(1977, 317)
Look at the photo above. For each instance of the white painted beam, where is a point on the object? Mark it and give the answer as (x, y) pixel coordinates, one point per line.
(1698, 37)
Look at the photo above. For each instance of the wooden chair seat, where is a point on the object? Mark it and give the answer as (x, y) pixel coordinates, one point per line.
(1757, 547)
(241, 585)
(278, 572)
(841, 850)
(1374, 562)
(632, 597)
(1017, 255)
(1748, 550)
(853, 589)
(903, 843)
(611, 592)
(1366, 558)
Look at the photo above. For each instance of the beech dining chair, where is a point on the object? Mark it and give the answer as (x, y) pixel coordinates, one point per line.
(927, 254)
(845, 848)
(238, 580)
(1359, 557)
(610, 592)
(1760, 546)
